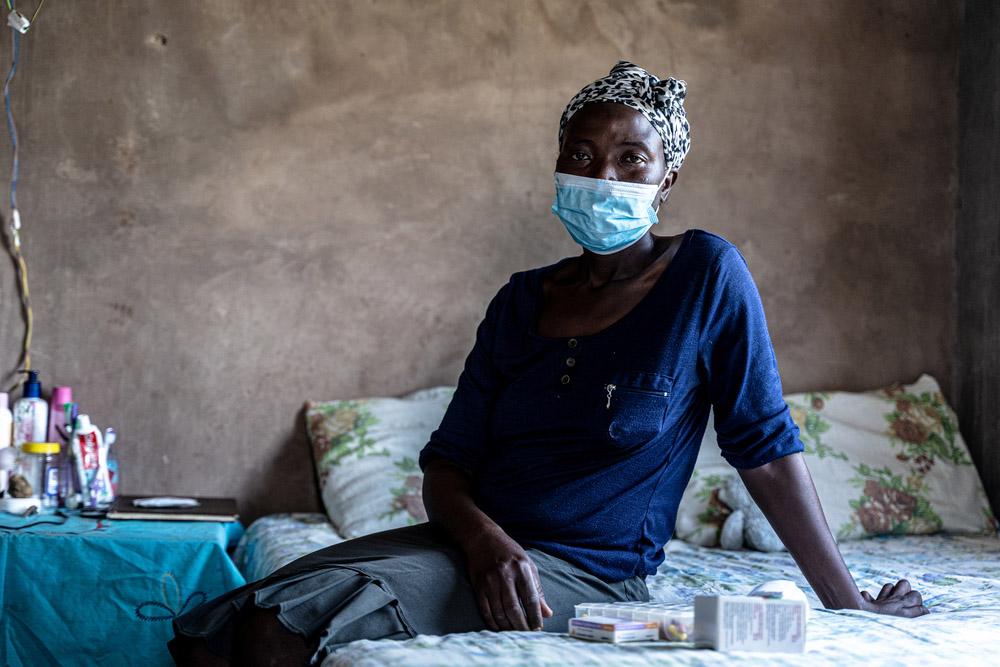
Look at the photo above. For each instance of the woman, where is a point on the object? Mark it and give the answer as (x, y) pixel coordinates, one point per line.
(556, 473)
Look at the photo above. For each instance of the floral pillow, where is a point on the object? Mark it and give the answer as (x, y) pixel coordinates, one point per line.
(366, 451)
(890, 461)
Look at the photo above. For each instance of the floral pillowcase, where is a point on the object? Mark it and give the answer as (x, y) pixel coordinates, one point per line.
(366, 452)
(890, 461)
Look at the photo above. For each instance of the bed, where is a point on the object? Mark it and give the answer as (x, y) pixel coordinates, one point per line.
(958, 575)
(898, 488)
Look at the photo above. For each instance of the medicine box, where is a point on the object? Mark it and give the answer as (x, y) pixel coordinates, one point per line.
(605, 629)
(676, 622)
(738, 623)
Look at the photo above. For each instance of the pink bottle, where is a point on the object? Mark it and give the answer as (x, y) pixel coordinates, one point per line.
(58, 430)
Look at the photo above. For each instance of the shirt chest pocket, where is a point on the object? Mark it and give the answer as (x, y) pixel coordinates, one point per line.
(634, 406)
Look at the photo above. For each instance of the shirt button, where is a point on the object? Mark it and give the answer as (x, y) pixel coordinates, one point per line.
(571, 362)
(564, 379)
(572, 342)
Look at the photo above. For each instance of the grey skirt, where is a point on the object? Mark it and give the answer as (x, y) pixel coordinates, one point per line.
(390, 585)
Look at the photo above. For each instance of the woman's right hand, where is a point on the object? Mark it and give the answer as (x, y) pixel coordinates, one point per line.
(506, 583)
(504, 579)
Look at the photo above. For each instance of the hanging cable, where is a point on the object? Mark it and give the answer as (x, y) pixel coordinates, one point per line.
(37, 9)
(14, 244)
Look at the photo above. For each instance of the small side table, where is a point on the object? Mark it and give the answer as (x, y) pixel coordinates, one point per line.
(100, 592)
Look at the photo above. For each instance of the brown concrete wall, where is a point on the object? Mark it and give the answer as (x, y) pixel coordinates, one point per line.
(977, 242)
(234, 206)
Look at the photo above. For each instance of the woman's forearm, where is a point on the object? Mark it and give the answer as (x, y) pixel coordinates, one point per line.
(784, 491)
(447, 495)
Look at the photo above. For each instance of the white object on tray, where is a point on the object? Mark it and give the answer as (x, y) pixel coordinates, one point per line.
(163, 502)
(784, 589)
(18, 505)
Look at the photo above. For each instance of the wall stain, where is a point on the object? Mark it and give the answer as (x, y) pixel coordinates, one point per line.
(575, 29)
(157, 40)
(127, 154)
(122, 314)
(714, 15)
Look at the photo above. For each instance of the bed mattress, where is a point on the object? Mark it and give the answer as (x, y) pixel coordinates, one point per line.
(959, 577)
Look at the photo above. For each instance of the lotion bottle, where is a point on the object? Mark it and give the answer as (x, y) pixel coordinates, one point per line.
(31, 413)
(6, 432)
(6, 421)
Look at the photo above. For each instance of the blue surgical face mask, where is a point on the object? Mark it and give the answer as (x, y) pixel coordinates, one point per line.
(604, 216)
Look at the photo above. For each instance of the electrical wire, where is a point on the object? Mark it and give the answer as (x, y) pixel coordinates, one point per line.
(14, 245)
(37, 9)
(11, 127)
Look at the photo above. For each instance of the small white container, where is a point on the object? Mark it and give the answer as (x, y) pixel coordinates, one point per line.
(745, 623)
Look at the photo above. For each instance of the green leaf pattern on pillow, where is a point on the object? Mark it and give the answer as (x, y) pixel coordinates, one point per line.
(899, 446)
(407, 496)
(923, 427)
(890, 504)
(716, 512)
(366, 450)
(812, 426)
(338, 430)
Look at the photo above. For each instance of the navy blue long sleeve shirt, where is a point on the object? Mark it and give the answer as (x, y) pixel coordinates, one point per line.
(587, 459)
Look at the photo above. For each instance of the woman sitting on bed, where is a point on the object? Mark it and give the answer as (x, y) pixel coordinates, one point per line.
(556, 473)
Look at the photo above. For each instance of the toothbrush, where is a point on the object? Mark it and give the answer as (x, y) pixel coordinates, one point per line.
(101, 477)
(110, 437)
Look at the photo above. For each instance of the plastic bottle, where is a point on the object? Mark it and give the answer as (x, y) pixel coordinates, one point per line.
(114, 466)
(31, 413)
(6, 421)
(114, 472)
(57, 415)
(69, 484)
(40, 464)
(6, 433)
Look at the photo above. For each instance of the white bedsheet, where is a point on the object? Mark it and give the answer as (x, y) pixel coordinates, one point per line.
(959, 577)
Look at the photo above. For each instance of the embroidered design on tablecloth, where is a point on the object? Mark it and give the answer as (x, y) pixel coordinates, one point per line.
(171, 607)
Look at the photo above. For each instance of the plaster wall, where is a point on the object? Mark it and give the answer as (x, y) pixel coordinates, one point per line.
(231, 206)
(977, 242)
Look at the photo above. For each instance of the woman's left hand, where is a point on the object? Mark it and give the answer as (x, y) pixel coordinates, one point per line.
(896, 600)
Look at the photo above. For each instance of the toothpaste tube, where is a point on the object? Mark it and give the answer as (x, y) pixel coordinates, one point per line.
(91, 462)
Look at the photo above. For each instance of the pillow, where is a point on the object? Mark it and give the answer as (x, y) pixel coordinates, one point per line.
(365, 452)
(890, 461)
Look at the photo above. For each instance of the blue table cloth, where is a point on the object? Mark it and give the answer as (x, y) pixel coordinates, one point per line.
(105, 592)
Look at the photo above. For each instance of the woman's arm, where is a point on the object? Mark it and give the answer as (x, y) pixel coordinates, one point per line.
(784, 491)
(503, 576)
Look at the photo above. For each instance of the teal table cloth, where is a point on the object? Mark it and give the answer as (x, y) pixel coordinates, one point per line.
(91, 591)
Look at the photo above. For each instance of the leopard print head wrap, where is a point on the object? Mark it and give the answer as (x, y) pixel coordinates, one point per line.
(660, 101)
